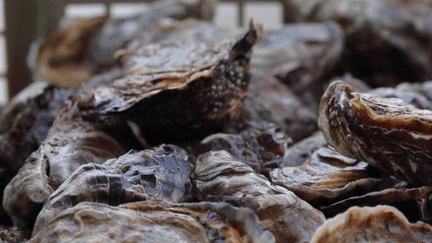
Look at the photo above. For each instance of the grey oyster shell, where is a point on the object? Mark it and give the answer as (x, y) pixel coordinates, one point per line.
(327, 177)
(270, 101)
(372, 224)
(24, 124)
(384, 132)
(71, 142)
(202, 88)
(155, 221)
(302, 55)
(161, 173)
(416, 94)
(118, 33)
(387, 41)
(219, 177)
(301, 151)
(261, 149)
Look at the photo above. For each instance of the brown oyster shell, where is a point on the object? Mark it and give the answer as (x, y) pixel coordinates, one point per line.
(377, 224)
(160, 173)
(202, 87)
(384, 132)
(71, 142)
(63, 59)
(414, 203)
(155, 221)
(219, 177)
(328, 177)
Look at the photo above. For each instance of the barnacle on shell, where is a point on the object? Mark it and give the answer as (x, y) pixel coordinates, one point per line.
(385, 132)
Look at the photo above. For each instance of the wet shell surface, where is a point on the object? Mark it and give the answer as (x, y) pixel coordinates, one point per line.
(372, 224)
(221, 178)
(70, 143)
(155, 221)
(384, 132)
(171, 88)
(160, 173)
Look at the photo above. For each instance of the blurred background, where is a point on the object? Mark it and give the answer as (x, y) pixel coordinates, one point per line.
(21, 21)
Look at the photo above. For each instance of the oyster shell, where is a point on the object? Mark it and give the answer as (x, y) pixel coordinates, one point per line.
(161, 173)
(155, 221)
(70, 143)
(327, 177)
(414, 203)
(219, 177)
(270, 101)
(302, 55)
(377, 224)
(118, 33)
(261, 149)
(24, 124)
(63, 59)
(387, 41)
(384, 132)
(177, 90)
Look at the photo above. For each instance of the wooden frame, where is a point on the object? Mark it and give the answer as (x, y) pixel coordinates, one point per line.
(25, 21)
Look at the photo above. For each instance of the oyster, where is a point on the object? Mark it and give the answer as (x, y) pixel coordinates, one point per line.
(154, 221)
(302, 55)
(384, 132)
(24, 124)
(63, 58)
(219, 177)
(327, 177)
(387, 41)
(70, 143)
(118, 33)
(297, 154)
(414, 203)
(377, 224)
(261, 149)
(177, 90)
(270, 101)
(161, 173)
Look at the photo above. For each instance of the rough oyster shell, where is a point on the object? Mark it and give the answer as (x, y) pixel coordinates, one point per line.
(63, 59)
(270, 101)
(327, 177)
(161, 173)
(71, 142)
(387, 41)
(219, 177)
(261, 149)
(178, 88)
(155, 221)
(302, 55)
(384, 132)
(24, 124)
(366, 224)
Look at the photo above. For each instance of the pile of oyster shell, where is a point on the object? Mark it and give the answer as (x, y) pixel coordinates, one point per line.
(163, 128)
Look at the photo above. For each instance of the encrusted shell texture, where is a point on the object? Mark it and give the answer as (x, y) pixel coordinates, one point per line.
(154, 221)
(160, 173)
(219, 177)
(178, 88)
(385, 132)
